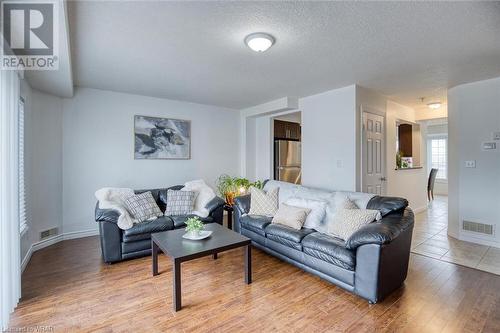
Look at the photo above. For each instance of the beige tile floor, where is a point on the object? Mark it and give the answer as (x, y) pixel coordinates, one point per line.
(430, 239)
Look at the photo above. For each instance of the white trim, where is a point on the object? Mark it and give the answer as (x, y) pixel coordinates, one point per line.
(54, 240)
(419, 209)
(26, 259)
(80, 234)
(470, 238)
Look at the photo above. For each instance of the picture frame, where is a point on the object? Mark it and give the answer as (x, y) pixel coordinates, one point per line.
(158, 138)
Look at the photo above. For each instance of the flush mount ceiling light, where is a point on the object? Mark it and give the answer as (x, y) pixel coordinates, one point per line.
(259, 41)
(434, 105)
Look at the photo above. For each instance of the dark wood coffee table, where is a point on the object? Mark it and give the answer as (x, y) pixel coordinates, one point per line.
(180, 250)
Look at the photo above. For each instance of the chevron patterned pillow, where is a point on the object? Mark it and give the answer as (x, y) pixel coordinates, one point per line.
(262, 203)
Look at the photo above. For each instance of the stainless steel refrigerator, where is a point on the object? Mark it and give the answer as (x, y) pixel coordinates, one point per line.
(287, 161)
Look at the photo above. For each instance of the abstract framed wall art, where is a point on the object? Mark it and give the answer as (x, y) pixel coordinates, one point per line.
(161, 138)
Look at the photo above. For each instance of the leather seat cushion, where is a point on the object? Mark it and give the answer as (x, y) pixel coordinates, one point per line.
(143, 230)
(256, 223)
(180, 220)
(286, 235)
(329, 249)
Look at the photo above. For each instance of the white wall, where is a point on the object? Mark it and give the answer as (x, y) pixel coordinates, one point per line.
(409, 184)
(329, 139)
(474, 193)
(43, 164)
(98, 148)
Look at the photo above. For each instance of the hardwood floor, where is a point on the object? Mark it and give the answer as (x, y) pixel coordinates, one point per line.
(67, 287)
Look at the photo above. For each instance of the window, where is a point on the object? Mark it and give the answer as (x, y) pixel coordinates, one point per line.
(21, 182)
(438, 156)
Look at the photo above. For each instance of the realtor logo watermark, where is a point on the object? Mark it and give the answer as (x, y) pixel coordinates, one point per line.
(30, 35)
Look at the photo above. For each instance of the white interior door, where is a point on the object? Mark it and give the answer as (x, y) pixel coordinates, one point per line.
(373, 150)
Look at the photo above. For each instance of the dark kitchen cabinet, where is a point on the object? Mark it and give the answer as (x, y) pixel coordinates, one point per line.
(287, 130)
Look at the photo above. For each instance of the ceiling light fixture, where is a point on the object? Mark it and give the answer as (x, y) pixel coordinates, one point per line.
(434, 105)
(259, 41)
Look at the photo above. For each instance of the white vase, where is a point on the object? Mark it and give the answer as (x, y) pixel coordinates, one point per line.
(195, 233)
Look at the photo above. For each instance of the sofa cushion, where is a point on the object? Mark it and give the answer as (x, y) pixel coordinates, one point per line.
(286, 235)
(256, 223)
(329, 249)
(162, 223)
(180, 220)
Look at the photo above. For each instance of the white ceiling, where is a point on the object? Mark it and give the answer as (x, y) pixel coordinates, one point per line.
(194, 51)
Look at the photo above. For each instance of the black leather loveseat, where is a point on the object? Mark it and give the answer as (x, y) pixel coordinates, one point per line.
(118, 244)
(372, 263)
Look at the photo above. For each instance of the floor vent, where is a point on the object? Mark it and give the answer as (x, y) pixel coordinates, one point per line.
(48, 233)
(481, 228)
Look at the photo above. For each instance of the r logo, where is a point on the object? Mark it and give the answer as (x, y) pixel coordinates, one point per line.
(28, 28)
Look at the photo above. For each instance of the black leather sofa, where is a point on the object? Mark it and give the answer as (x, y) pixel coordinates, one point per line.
(372, 263)
(118, 244)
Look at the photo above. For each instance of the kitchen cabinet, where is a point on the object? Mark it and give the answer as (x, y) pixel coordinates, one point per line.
(287, 130)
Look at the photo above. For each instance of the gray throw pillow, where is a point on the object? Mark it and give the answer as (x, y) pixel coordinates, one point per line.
(143, 207)
(180, 202)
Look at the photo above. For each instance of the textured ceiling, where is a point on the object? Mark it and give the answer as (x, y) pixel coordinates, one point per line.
(194, 51)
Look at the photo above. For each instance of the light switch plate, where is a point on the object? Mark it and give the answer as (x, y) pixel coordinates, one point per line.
(495, 136)
(470, 164)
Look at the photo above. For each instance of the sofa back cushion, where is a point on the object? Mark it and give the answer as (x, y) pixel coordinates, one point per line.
(317, 212)
(288, 191)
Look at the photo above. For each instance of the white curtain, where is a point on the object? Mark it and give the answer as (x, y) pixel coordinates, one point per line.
(10, 259)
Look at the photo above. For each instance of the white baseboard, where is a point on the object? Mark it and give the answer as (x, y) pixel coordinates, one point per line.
(26, 258)
(477, 240)
(419, 209)
(53, 240)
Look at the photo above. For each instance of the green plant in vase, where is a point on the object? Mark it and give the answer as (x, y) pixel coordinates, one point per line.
(194, 226)
(231, 187)
(398, 159)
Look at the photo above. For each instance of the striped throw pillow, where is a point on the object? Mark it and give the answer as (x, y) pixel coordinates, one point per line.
(180, 202)
(143, 207)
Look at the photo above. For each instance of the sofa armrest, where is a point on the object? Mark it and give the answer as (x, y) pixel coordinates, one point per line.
(383, 231)
(105, 215)
(242, 204)
(387, 205)
(214, 204)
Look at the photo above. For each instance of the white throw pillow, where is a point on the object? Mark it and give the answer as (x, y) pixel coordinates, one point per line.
(315, 218)
(347, 221)
(343, 202)
(293, 217)
(205, 195)
(262, 203)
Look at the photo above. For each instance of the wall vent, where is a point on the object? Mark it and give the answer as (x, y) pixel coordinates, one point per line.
(481, 228)
(48, 233)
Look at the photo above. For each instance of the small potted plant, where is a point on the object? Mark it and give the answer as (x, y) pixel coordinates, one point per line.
(194, 226)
